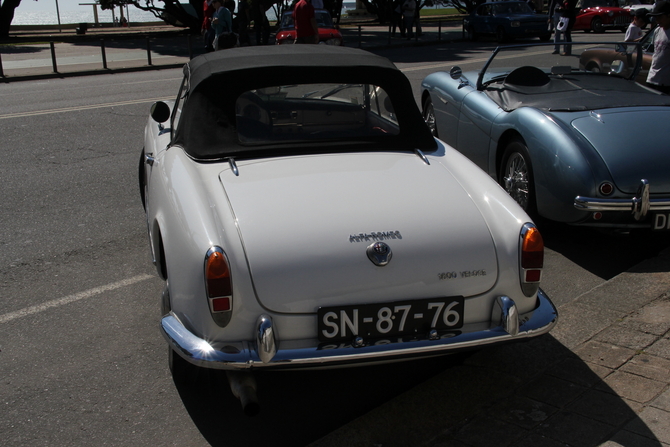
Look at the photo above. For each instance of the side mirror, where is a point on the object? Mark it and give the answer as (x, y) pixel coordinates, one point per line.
(455, 72)
(160, 112)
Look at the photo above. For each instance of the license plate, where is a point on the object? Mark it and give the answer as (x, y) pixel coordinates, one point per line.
(390, 319)
(660, 222)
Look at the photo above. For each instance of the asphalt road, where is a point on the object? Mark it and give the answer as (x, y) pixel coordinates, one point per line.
(81, 358)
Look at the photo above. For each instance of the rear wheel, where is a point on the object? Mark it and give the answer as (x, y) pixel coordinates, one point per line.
(501, 35)
(142, 180)
(429, 116)
(516, 175)
(593, 67)
(472, 34)
(597, 25)
(545, 37)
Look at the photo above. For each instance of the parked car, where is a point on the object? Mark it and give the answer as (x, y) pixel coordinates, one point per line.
(570, 145)
(328, 32)
(302, 215)
(600, 15)
(506, 20)
(617, 58)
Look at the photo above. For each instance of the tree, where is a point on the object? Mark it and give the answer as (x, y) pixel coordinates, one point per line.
(383, 9)
(171, 11)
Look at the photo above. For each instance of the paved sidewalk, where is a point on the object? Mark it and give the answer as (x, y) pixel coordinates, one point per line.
(38, 55)
(600, 378)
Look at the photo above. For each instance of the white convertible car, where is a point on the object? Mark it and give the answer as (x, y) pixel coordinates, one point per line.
(302, 215)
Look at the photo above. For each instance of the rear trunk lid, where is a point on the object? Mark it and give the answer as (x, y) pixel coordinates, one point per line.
(631, 147)
(306, 222)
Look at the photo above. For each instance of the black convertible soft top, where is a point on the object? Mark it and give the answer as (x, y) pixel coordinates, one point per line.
(207, 127)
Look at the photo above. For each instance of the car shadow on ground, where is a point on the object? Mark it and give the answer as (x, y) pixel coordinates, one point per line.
(603, 253)
(522, 394)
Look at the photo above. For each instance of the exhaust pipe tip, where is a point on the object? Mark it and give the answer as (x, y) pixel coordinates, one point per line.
(243, 386)
(249, 401)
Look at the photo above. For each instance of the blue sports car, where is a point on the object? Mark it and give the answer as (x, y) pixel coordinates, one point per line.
(506, 20)
(567, 144)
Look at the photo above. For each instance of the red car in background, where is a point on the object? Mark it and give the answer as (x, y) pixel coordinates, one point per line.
(328, 33)
(600, 15)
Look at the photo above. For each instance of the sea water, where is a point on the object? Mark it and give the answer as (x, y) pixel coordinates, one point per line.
(86, 15)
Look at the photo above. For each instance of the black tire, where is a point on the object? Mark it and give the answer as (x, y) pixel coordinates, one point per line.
(597, 25)
(593, 67)
(545, 37)
(429, 116)
(182, 371)
(141, 179)
(501, 35)
(516, 175)
(472, 34)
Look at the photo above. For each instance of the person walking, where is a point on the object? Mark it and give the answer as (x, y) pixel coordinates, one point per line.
(306, 29)
(555, 14)
(659, 71)
(634, 31)
(207, 30)
(222, 22)
(408, 9)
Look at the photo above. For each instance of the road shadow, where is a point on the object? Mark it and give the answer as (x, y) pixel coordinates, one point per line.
(300, 407)
(521, 394)
(603, 253)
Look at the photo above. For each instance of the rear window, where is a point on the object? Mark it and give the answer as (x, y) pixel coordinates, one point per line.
(313, 112)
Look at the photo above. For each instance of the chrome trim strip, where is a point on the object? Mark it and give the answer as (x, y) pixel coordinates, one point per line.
(201, 353)
(422, 156)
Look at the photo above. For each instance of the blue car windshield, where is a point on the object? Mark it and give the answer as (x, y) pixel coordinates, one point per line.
(512, 8)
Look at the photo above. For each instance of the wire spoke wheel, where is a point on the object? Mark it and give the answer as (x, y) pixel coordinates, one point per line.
(516, 179)
(516, 175)
(429, 116)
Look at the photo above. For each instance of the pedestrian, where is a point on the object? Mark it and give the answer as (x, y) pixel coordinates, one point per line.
(634, 32)
(222, 22)
(659, 72)
(306, 29)
(396, 18)
(568, 16)
(555, 15)
(243, 20)
(408, 8)
(206, 28)
(261, 23)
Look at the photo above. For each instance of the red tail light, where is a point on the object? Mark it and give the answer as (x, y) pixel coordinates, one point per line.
(532, 259)
(218, 284)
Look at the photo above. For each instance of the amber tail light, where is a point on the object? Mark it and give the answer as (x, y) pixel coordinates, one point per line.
(532, 259)
(219, 285)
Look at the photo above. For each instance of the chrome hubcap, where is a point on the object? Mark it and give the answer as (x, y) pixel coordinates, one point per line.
(429, 118)
(516, 179)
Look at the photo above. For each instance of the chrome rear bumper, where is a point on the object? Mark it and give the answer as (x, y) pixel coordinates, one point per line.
(265, 352)
(638, 206)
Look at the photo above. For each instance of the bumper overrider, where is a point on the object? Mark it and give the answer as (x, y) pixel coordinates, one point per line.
(508, 325)
(639, 206)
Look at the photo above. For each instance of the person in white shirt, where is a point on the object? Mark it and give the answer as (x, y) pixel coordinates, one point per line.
(634, 31)
(659, 72)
